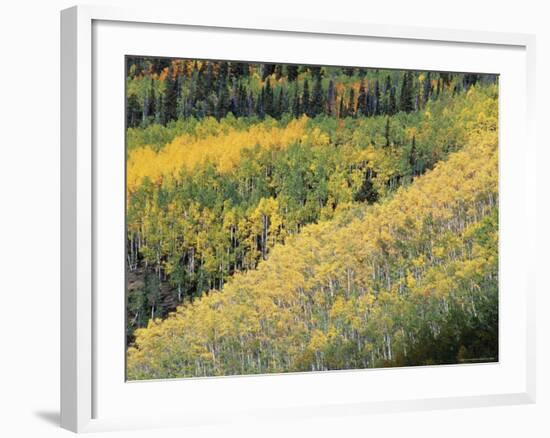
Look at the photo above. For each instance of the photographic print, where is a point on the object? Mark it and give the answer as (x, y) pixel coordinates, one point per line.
(303, 218)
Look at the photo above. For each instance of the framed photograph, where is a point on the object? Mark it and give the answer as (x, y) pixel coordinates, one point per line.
(272, 218)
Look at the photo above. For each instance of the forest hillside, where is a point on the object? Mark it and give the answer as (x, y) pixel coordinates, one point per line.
(214, 200)
(286, 218)
(409, 280)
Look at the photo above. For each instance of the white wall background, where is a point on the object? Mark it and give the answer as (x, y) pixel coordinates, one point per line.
(29, 218)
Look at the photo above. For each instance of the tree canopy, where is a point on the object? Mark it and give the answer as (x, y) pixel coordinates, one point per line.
(292, 218)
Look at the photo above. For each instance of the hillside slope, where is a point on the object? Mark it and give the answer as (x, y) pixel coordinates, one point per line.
(215, 200)
(411, 281)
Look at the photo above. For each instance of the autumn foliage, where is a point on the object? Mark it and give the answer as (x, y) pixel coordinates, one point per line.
(361, 293)
(335, 239)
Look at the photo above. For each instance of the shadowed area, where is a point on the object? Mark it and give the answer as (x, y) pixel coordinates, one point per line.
(51, 417)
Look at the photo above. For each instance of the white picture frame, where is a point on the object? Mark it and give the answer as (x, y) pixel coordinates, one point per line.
(83, 366)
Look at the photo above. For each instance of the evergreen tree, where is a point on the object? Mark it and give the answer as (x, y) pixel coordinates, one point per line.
(243, 101)
(315, 71)
(318, 104)
(331, 98)
(413, 157)
(392, 104)
(133, 110)
(203, 82)
(292, 72)
(284, 104)
(278, 71)
(406, 98)
(235, 99)
(171, 97)
(351, 103)
(446, 78)
(296, 110)
(387, 132)
(268, 98)
(427, 87)
(159, 64)
(349, 71)
(238, 69)
(152, 101)
(362, 107)
(250, 104)
(223, 102)
(192, 96)
(260, 108)
(387, 91)
(305, 105)
(159, 115)
(370, 102)
(278, 103)
(145, 110)
(223, 72)
(267, 70)
(470, 79)
(457, 89)
(377, 102)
